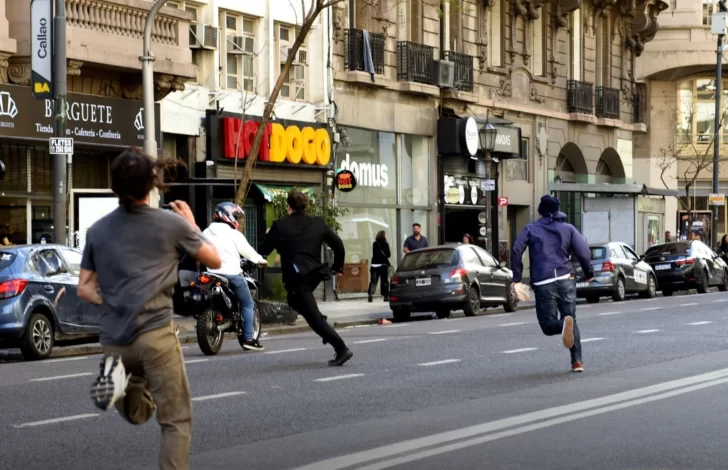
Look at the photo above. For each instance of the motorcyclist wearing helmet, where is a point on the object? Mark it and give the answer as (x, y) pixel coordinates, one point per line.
(231, 245)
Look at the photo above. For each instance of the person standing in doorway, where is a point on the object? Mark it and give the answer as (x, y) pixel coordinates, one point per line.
(416, 240)
(468, 239)
(668, 237)
(380, 266)
(550, 242)
(298, 239)
(130, 267)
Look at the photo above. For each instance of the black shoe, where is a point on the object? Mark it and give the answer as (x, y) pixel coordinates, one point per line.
(253, 345)
(386, 299)
(341, 358)
(370, 299)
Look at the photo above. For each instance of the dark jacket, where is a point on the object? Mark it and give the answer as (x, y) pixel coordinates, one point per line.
(380, 253)
(550, 242)
(298, 239)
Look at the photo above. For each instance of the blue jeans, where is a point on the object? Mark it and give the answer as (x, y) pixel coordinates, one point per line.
(240, 286)
(561, 296)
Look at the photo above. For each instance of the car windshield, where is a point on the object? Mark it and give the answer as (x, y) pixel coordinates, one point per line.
(6, 259)
(429, 259)
(598, 252)
(668, 249)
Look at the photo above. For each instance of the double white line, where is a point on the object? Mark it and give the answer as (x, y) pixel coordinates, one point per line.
(417, 449)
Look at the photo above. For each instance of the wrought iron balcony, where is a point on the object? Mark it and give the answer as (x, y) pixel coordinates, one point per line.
(463, 69)
(638, 109)
(415, 63)
(355, 50)
(580, 97)
(607, 102)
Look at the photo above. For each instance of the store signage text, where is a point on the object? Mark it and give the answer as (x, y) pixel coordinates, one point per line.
(367, 174)
(41, 45)
(280, 144)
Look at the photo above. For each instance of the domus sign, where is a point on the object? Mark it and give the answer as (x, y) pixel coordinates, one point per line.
(367, 174)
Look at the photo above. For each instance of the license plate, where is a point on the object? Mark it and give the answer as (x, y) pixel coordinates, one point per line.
(582, 284)
(423, 282)
(663, 267)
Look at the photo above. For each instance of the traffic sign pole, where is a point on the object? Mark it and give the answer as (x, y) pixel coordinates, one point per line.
(60, 162)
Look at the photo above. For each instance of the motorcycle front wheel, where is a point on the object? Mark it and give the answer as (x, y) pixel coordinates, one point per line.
(209, 338)
(257, 329)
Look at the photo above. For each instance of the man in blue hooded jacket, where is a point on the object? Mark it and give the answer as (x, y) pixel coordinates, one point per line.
(550, 242)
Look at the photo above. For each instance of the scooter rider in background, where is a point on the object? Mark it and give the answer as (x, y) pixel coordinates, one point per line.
(223, 234)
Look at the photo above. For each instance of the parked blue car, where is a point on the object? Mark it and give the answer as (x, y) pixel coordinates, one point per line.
(38, 301)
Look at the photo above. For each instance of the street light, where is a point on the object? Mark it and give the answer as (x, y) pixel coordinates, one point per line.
(487, 135)
(558, 180)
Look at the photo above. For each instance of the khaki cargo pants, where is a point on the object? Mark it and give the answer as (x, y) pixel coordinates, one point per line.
(159, 378)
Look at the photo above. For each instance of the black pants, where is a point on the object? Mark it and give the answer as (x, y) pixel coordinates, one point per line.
(375, 274)
(301, 299)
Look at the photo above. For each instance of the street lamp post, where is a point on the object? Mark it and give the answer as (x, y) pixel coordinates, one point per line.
(60, 162)
(719, 26)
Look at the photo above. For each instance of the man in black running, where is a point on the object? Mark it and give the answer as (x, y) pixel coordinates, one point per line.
(298, 239)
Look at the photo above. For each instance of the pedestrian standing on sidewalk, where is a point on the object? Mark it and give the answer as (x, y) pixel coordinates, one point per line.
(380, 266)
(550, 241)
(416, 240)
(129, 266)
(298, 239)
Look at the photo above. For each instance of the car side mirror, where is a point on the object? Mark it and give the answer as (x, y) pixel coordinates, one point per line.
(502, 264)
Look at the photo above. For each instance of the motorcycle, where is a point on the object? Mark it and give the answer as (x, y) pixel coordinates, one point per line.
(210, 300)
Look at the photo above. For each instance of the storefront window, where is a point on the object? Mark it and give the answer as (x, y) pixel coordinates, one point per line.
(407, 219)
(415, 170)
(13, 221)
(372, 157)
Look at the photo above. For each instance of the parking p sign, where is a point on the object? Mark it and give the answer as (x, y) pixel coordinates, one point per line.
(61, 146)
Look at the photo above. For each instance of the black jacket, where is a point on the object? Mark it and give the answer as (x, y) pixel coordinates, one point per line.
(298, 239)
(380, 253)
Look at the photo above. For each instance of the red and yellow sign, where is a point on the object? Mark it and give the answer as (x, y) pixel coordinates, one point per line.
(280, 144)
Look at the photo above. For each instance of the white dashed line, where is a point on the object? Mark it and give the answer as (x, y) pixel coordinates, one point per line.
(514, 323)
(339, 377)
(366, 341)
(65, 360)
(437, 363)
(195, 361)
(700, 323)
(56, 420)
(184, 347)
(513, 351)
(394, 326)
(688, 305)
(498, 315)
(720, 300)
(219, 395)
(589, 340)
(286, 351)
(444, 332)
(61, 377)
(646, 331)
(651, 308)
(609, 313)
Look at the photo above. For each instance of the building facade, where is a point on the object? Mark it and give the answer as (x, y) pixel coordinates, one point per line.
(678, 69)
(104, 42)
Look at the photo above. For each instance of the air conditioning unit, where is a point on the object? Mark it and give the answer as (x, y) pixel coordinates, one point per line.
(203, 36)
(446, 74)
(241, 45)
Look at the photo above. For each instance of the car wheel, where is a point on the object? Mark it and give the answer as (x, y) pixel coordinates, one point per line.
(472, 304)
(724, 285)
(592, 299)
(619, 291)
(701, 282)
(651, 288)
(400, 314)
(38, 339)
(666, 293)
(443, 314)
(512, 301)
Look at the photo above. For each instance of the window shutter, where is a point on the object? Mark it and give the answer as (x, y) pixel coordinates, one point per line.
(495, 44)
(576, 45)
(537, 52)
(403, 20)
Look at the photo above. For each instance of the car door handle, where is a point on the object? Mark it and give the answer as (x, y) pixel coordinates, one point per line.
(49, 289)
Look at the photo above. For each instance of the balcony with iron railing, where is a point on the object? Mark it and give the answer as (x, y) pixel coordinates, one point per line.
(463, 69)
(415, 63)
(607, 102)
(638, 109)
(580, 97)
(354, 59)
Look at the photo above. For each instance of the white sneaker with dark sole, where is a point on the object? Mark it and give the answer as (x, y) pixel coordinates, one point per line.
(111, 383)
(567, 333)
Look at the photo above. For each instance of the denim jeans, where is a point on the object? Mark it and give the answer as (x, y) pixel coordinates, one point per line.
(561, 296)
(240, 286)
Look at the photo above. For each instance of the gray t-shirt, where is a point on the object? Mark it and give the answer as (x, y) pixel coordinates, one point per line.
(135, 255)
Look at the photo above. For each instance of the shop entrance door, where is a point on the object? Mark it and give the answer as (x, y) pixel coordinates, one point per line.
(459, 221)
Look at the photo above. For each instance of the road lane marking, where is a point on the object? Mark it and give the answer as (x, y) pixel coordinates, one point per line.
(216, 396)
(437, 363)
(696, 323)
(52, 361)
(514, 323)
(61, 377)
(444, 332)
(688, 305)
(184, 347)
(194, 361)
(285, 351)
(498, 315)
(720, 300)
(651, 308)
(646, 331)
(56, 420)
(339, 377)
(608, 313)
(513, 351)
(367, 341)
(574, 410)
(589, 340)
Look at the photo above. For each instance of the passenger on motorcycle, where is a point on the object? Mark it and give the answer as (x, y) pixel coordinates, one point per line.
(231, 245)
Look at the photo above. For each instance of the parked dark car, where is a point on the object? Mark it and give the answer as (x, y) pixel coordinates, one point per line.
(38, 301)
(451, 277)
(684, 265)
(618, 271)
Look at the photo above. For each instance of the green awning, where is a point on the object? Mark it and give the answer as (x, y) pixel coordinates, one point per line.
(269, 191)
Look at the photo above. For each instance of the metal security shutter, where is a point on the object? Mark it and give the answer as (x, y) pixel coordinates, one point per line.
(91, 170)
(42, 165)
(16, 170)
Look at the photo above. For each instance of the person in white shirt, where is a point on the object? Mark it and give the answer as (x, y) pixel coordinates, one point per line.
(223, 234)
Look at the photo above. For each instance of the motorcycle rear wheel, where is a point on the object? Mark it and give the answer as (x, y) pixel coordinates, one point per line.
(257, 328)
(209, 338)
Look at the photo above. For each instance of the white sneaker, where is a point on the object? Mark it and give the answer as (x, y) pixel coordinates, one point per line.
(111, 383)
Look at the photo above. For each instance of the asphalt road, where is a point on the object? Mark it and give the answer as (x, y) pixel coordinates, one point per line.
(467, 393)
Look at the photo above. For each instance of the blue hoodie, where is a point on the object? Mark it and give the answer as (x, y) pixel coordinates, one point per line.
(550, 241)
